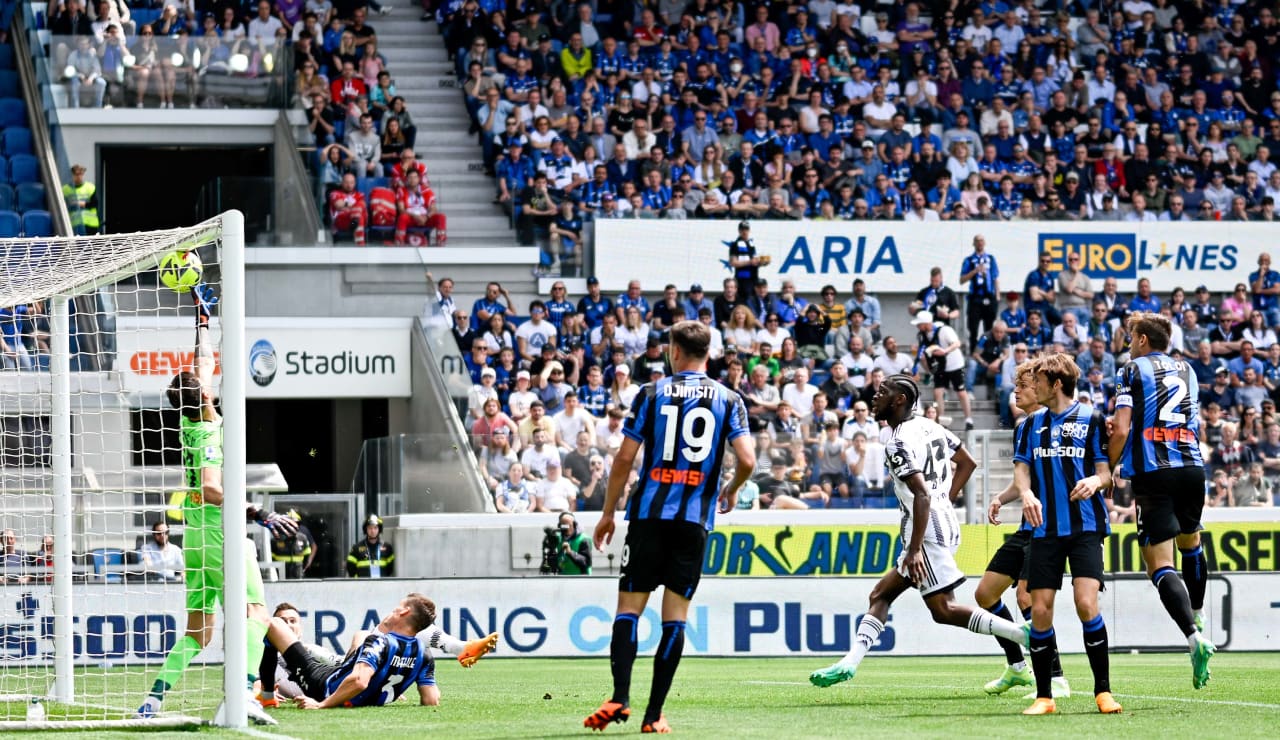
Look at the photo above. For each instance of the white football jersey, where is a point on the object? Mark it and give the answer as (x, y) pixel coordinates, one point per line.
(919, 445)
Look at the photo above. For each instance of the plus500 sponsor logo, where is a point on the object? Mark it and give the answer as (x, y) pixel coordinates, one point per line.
(1124, 255)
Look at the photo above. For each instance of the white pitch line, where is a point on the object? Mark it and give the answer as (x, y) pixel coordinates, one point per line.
(1223, 702)
(778, 683)
(263, 735)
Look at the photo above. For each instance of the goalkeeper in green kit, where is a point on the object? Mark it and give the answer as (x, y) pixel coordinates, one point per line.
(191, 393)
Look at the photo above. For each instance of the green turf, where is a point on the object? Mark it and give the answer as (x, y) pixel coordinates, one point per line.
(770, 698)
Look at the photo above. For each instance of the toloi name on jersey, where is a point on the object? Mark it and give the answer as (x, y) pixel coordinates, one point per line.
(1039, 452)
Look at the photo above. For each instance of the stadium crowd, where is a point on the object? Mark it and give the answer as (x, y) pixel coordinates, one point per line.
(551, 387)
(901, 110)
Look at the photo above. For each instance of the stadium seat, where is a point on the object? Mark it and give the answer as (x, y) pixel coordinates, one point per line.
(23, 168)
(6, 56)
(37, 223)
(30, 196)
(4, 169)
(10, 225)
(13, 112)
(8, 198)
(108, 564)
(17, 140)
(144, 16)
(9, 84)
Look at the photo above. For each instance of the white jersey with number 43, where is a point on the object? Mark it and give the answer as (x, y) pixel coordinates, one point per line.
(919, 445)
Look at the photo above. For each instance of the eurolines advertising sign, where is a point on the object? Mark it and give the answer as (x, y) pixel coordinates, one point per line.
(287, 357)
(895, 257)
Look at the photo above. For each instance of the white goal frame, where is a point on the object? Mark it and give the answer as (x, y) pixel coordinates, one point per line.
(231, 311)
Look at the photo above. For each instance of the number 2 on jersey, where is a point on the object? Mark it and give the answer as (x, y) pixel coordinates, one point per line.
(695, 443)
(1177, 391)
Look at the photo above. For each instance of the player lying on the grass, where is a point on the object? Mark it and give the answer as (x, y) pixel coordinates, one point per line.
(1062, 457)
(285, 687)
(920, 454)
(380, 666)
(191, 392)
(1008, 565)
(1155, 441)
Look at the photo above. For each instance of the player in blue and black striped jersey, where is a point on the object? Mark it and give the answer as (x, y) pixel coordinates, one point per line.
(384, 665)
(685, 423)
(1155, 440)
(1062, 457)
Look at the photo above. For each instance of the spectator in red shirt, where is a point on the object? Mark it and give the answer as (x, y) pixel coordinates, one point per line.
(347, 87)
(347, 210)
(416, 204)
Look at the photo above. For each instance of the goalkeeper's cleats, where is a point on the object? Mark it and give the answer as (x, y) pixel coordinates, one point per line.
(1041, 706)
(477, 649)
(1107, 704)
(1200, 655)
(1059, 688)
(608, 713)
(658, 726)
(1012, 677)
(832, 675)
(205, 299)
(268, 702)
(150, 709)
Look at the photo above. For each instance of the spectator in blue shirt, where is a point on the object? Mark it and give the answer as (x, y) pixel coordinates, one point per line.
(1264, 285)
(1039, 291)
(694, 301)
(1144, 300)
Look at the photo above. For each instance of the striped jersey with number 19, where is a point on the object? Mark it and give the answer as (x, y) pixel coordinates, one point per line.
(1165, 399)
(1061, 450)
(685, 422)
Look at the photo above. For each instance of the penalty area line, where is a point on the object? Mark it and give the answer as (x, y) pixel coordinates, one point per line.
(1189, 700)
(263, 735)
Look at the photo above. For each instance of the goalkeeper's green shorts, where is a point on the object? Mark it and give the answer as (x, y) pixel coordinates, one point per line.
(205, 578)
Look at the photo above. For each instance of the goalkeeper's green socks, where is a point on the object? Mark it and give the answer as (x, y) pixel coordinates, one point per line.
(257, 633)
(183, 652)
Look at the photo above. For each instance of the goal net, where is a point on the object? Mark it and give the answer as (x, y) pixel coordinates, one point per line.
(94, 505)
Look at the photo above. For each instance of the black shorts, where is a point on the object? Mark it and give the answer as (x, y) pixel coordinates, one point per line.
(1011, 559)
(1169, 503)
(1047, 559)
(310, 672)
(953, 379)
(663, 552)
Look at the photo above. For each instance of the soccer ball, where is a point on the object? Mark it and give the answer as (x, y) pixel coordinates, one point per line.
(181, 271)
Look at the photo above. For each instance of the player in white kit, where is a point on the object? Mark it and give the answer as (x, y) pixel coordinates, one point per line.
(920, 454)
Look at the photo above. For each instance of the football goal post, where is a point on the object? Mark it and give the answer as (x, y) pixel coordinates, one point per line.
(93, 578)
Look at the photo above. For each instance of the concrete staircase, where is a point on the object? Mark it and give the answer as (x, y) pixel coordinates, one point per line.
(423, 74)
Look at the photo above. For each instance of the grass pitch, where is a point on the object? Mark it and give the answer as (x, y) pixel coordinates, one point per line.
(771, 698)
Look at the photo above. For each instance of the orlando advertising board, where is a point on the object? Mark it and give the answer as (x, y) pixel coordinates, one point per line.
(895, 257)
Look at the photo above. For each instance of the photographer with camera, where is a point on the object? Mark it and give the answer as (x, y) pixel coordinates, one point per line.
(566, 550)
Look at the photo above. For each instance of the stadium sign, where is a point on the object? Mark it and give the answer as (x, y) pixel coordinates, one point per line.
(895, 257)
(573, 616)
(287, 357)
(872, 550)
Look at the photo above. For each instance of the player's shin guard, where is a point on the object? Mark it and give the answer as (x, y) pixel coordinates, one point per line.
(1012, 650)
(1195, 574)
(256, 633)
(1176, 600)
(1044, 645)
(1097, 646)
(665, 662)
(622, 655)
(184, 651)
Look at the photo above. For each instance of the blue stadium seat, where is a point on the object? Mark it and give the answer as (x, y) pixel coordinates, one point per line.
(23, 167)
(4, 169)
(6, 56)
(13, 112)
(103, 560)
(30, 196)
(7, 197)
(9, 84)
(144, 16)
(37, 223)
(10, 224)
(17, 140)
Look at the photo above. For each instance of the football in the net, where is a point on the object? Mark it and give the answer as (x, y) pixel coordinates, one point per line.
(181, 271)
